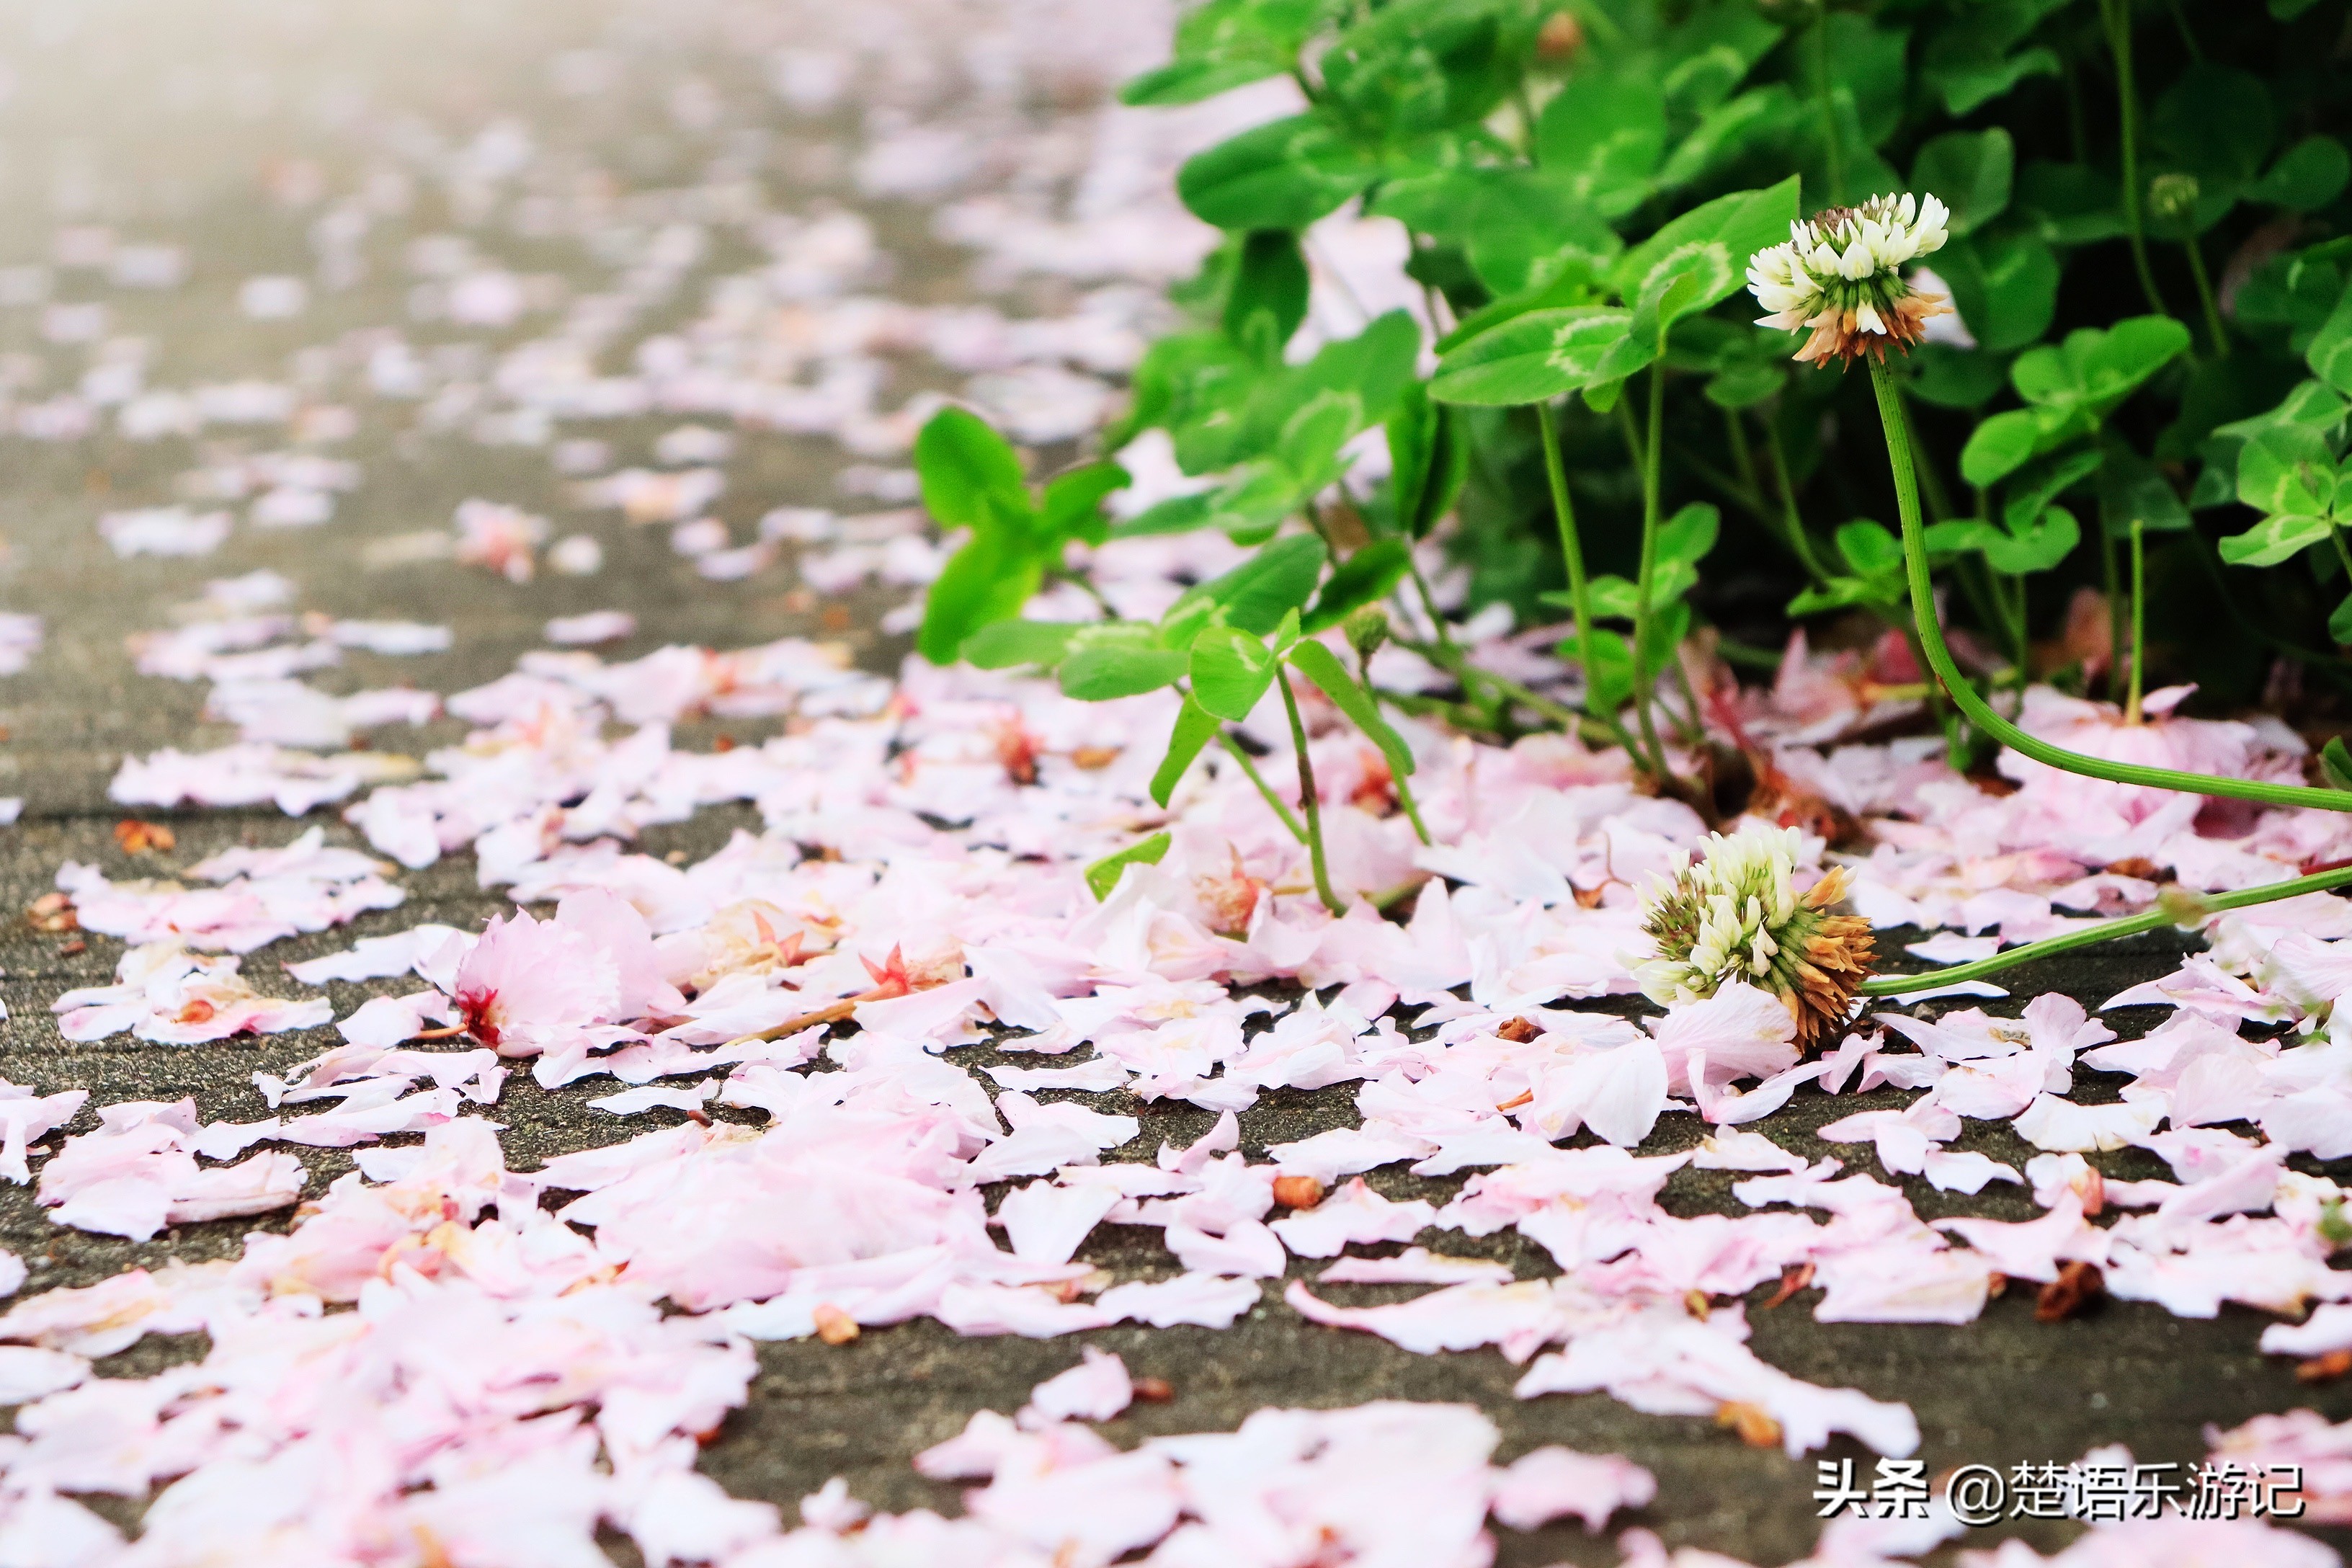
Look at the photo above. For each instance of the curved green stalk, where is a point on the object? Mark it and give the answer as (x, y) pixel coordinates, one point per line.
(1981, 713)
(1224, 738)
(1309, 802)
(2170, 912)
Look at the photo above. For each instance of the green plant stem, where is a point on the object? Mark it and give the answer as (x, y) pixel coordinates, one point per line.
(1606, 728)
(1440, 316)
(1744, 497)
(2199, 908)
(1940, 507)
(1981, 713)
(1085, 584)
(1411, 807)
(1314, 516)
(1644, 688)
(2213, 328)
(1308, 800)
(2138, 618)
(1931, 484)
(1462, 716)
(2115, 15)
(1396, 780)
(2188, 38)
(1688, 726)
(2017, 609)
(1250, 768)
(1799, 541)
(1743, 461)
(1571, 548)
(1828, 106)
(2111, 576)
(1746, 656)
(1429, 603)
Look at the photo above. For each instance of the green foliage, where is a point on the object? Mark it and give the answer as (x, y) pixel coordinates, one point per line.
(1579, 225)
(1321, 665)
(1684, 541)
(1873, 557)
(1102, 876)
(2290, 473)
(1282, 175)
(2069, 388)
(1195, 727)
(2020, 543)
(1232, 670)
(2335, 766)
(1268, 294)
(971, 479)
(1688, 266)
(1223, 44)
(1364, 578)
(1531, 358)
(1981, 53)
(1257, 595)
(1973, 172)
(1429, 457)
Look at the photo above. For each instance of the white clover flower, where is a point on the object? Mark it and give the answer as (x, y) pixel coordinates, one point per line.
(1736, 915)
(1838, 277)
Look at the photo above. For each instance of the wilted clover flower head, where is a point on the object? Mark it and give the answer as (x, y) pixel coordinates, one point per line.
(1735, 915)
(1839, 276)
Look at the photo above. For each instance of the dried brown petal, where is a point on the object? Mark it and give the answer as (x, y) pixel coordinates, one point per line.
(1793, 1280)
(2078, 1286)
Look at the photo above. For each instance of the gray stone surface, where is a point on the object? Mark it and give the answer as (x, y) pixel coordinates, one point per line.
(2003, 1390)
